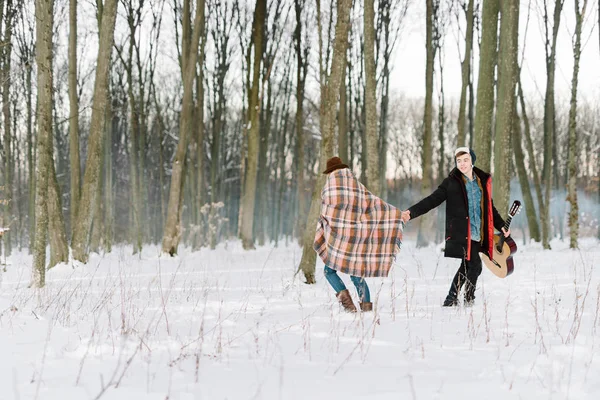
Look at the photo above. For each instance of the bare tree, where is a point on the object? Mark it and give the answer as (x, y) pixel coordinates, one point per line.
(172, 233)
(200, 141)
(25, 38)
(59, 246)
(371, 131)
(484, 112)
(519, 160)
(301, 46)
(134, 20)
(427, 150)
(390, 22)
(219, 148)
(343, 117)
(44, 11)
(572, 160)
(465, 74)
(330, 86)
(549, 115)
(89, 192)
(530, 152)
(440, 24)
(277, 15)
(507, 78)
(283, 139)
(74, 161)
(249, 193)
(108, 193)
(5, 75)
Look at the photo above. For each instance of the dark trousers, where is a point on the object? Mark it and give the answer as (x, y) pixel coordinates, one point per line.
(467, 274)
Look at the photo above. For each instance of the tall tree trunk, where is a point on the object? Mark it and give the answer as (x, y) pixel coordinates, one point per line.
(19, 186)
(385, 8)
(530, 152)
(92, 169)
(427, 151)
(441, 118)
(249, 194)
(142, 145)
(161, 159)
(505, 107)
(97, 220)
(8, 132)
(30, 159)
(351, 111)
(343, 121)
(172, 233)
(329, 97)
(109, 216)
(439, 231)
(44, 11)
(301, 72)
(519, 157)
(549, 118)
(59, 247)
(282, 181)
(361, 116)
(484, 112)
(572, 160)
(261, 190)
(371, 131)
(466, 76)
(18, 206)
(75, 164)
(219, 117)
(471, 125)
(200, 184)
(134, 132)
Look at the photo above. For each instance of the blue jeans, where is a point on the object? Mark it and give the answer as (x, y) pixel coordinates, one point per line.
(338, 285)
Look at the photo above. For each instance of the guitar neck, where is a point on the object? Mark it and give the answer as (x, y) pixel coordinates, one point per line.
(502, 238)
(507, 223)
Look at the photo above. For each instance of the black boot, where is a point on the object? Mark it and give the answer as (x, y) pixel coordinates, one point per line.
(450, 301)
(469, 295)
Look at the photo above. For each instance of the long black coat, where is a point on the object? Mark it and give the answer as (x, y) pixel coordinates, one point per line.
(458, 229)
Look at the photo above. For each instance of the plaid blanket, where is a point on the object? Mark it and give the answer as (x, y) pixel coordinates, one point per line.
(357, 233)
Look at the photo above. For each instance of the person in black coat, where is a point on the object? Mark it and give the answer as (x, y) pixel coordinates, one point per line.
(470, 220)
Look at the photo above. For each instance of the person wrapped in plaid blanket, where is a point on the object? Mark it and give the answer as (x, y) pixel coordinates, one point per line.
(357, 233)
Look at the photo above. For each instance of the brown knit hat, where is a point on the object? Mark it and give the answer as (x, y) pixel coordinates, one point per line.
(334, 163)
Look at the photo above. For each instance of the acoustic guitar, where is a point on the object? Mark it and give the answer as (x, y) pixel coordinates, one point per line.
(502, 263)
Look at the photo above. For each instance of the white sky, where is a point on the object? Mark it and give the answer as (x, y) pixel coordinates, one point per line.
(409, 69)
(408, 75)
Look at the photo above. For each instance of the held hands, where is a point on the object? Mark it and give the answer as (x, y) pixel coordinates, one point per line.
(405, 216)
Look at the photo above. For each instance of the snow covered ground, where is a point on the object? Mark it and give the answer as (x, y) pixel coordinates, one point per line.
(231, 324)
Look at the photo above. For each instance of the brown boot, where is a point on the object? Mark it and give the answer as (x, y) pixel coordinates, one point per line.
(366, 306)
(346, 300)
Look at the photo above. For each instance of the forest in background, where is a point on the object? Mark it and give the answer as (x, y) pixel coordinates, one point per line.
(186, 122)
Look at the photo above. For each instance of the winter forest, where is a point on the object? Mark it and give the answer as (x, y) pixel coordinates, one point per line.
(166, 132)
(179, 123)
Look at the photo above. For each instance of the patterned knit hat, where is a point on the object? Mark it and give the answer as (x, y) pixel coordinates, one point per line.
(465, 150)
